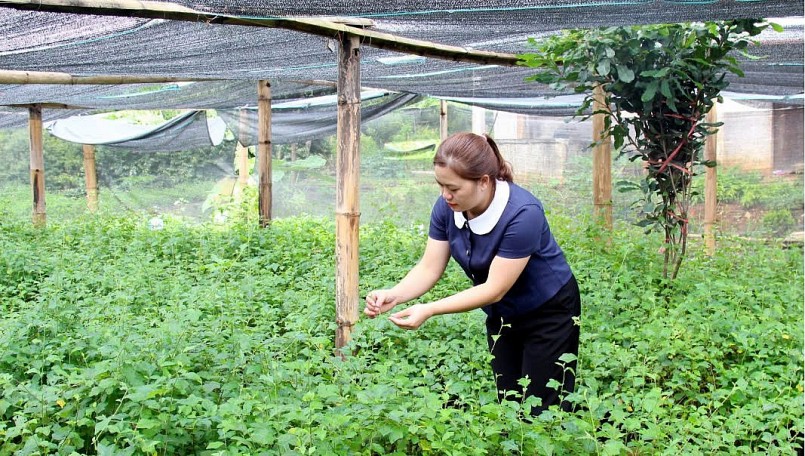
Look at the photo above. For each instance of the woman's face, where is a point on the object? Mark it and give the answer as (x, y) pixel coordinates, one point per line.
(461, 194)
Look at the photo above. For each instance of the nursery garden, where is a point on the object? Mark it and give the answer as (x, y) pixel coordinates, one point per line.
(217, 339)
(172, 319)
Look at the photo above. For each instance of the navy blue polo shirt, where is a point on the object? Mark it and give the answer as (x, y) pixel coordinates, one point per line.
(513, 226)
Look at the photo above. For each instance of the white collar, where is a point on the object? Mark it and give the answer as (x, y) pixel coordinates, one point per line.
(484, 223)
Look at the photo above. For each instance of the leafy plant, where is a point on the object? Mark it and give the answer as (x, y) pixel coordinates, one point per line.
(218, 340)
(658, 83)
(779, 221)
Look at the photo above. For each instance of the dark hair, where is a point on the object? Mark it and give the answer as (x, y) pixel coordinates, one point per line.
(471, 156)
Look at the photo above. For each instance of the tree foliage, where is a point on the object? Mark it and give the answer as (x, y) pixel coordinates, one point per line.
(659, 83)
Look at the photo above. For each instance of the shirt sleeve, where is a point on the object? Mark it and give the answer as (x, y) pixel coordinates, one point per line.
(438, 221)
(523, 235)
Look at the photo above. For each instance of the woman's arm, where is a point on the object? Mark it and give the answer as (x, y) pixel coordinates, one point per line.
(417, 282)
(502, 274)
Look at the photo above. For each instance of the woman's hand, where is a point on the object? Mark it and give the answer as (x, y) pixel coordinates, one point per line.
(412, 317)
(378, 302)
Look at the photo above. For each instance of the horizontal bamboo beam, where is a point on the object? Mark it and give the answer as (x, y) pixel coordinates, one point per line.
(360, 22)
(54, 77)
(46, 106)
(314, 26)
(395, 43)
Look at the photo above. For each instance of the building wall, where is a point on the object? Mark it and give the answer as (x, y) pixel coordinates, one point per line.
(789, 147)
(745, 139)
(535, 158)
(755, 136)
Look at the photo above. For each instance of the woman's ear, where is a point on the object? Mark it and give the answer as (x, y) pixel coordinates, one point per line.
(485, 182)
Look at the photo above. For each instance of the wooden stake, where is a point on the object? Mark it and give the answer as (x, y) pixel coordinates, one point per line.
(602, 163)
(242, 156)
(90, 177)
(241, 150)
(347, 200)
(443, 120)
(37, 165)
(264, 151)
(710, 185)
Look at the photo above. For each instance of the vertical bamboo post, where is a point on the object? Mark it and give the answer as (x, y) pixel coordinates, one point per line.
(90, 177)
(294, 153)
(710, 184)
(264, 151)
(242, 156)
(521, 127)
(478, 120)
(241, 149)
(347, 198)
(602, 163)
(443, 120)
(37, 165)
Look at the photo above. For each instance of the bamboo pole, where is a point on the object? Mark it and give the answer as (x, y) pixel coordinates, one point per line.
(443, 120)
(51, 77)
(242, 156)
(90, 177)
(521, 127)
(37, 165)
(478, 120)
(710, 184)
(602, 163)
(314, 26)
(347, 198)
(264, 151)
(241, 150)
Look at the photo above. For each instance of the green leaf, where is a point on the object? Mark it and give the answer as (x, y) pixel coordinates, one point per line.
(671, 103)
(567, 358)
(665, 89)
(148, 423)
(626, 186)
(625, 74)
(651, 90)
(554, 384)
(603, 67)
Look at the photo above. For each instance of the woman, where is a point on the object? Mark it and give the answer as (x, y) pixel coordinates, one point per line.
(498, 233)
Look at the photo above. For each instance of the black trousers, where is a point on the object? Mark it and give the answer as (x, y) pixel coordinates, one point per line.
(531, 344)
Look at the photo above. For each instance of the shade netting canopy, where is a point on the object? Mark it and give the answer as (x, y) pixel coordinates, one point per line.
(301, 64)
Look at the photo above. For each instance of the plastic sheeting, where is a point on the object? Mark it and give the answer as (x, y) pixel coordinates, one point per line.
(188, 131)
(303, 122)
(293, 121)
